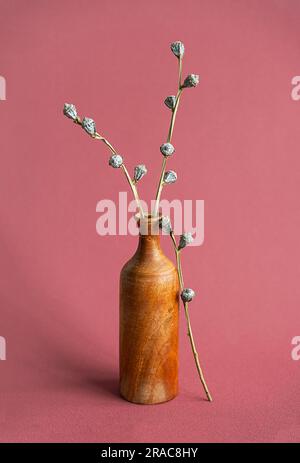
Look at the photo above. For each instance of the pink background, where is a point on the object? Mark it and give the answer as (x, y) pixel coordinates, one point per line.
(237, 147)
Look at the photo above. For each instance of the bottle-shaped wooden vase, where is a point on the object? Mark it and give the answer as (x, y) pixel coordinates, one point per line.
(149, 308)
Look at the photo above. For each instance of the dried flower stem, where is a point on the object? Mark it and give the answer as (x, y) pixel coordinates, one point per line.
(187, 316)
(160, 187)
(170, 133)
(134, 189)
(178, 261)
(199, 369)
(174, 115)
(180, 72)
(106, 142)
(128, 178)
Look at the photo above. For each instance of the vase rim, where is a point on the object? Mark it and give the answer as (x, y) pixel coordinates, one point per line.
(147, 217)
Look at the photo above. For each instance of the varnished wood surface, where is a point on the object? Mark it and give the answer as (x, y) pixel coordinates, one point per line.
(149, 325)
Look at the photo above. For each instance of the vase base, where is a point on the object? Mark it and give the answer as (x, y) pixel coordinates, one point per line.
(143, 401)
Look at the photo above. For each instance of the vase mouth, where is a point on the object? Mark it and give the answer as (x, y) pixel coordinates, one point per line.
(147, 217)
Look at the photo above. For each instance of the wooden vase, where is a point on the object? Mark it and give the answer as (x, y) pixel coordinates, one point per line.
(149, 307)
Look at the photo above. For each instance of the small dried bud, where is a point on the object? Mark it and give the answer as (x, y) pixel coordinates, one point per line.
(177, 48)
(115, 161)
(167, 149)
(139, 172)
(170, 176)
(165, 224)
(170, 101)
(187, 295)
(70, 111)
(185, 239)
(192, 80)
(89, 126)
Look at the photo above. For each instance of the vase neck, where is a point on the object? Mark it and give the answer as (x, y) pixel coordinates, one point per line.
(149, 243)
(149, 238)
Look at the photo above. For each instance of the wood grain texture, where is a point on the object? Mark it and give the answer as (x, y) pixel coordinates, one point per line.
(149, 307)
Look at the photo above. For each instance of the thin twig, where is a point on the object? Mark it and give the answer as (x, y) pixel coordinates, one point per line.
(187, 316)
(169, 138)
(160, 186)
(196, 357)
(97, 136)
(134, 189)
(170, 133)
(180, 72)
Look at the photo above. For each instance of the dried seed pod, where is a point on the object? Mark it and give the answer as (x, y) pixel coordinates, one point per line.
(167, 149)
(89, 126)
(170, 176)
(177, 48)
(170, 101)
(70, 111)
(139, 172)
(165, 224)
(185, 240)
(187, 295)
(115, 161)
(192, 80)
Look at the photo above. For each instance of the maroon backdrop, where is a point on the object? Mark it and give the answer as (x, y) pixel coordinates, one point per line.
(237, 147)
